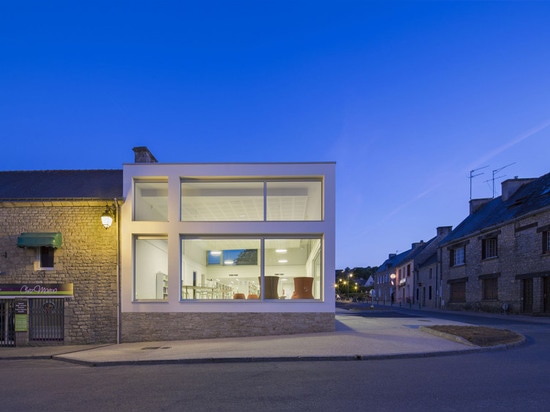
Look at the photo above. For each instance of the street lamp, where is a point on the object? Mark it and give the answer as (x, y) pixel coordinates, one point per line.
(350, 275)
(392, 277)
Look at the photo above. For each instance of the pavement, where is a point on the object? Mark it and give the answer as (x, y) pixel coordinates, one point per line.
(355, 337)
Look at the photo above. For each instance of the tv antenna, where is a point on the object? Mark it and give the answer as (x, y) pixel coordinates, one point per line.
(472, 175)
(498, 177)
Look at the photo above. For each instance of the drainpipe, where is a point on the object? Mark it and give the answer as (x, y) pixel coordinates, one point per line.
(118, 311)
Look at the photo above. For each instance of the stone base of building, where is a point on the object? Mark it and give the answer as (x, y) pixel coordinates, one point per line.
(143, 327)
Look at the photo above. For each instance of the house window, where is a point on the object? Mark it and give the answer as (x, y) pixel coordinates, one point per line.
(250, 269)
(205, 200)
(44, 258)
(151, 200)
(458, 291)
(546, 241)
(457, 256)
(490, 288)
(151, 268)
(489, 248)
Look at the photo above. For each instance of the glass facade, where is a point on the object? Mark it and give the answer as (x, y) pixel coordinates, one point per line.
(151, 201)
(228, 249)
(287, 200)
(251, 269)
(151, 268)
(211, 201)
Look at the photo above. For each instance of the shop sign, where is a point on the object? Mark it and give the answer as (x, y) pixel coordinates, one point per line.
(37, 290)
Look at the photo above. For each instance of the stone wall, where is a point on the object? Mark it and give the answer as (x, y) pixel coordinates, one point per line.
(137, 327)
(87, 258)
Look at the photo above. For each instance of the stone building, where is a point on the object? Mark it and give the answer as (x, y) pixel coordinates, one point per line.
(58, 265)
(498, 258)
(427, 271)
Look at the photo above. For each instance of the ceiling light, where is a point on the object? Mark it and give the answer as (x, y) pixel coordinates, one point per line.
(215, 252)
(283, 261)
(280, 250)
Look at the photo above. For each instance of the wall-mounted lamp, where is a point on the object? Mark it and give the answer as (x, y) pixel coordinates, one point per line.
(109, 216)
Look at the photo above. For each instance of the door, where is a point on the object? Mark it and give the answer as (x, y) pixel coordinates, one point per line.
(527, 286)
(546, 294)
(7, 324)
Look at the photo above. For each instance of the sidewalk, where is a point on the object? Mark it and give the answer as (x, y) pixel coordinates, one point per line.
(355, 338)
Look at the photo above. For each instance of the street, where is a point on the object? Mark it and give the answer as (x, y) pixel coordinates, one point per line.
(503, 380)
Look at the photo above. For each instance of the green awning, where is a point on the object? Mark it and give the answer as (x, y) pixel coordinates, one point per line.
(38, 239)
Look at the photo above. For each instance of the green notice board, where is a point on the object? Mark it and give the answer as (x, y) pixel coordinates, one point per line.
(21, 316)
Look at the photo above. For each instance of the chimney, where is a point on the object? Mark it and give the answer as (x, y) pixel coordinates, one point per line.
(475, 204)
(444, 230)
(511, 186)
(392, 255)
(143, 155)
(416, 244)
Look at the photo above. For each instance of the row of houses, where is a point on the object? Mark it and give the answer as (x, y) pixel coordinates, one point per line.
(496, 260)
(164, 251)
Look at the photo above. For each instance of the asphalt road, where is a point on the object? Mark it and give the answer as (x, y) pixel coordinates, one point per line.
(508, 380)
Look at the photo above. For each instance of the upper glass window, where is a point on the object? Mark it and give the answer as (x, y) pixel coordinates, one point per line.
(294, 200)
(289, 200)
(221, 201)
(458, 256)
(151, 201)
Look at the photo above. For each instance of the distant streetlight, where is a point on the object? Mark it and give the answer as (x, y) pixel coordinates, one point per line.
(350, 275)
(392, 296)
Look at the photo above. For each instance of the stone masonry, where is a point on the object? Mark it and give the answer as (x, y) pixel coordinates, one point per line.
(87, 258)
(140, 327)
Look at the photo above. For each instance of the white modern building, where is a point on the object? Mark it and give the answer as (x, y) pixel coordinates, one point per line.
(220, 250)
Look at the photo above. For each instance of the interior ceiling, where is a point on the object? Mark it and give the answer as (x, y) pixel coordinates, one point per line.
(247, 209)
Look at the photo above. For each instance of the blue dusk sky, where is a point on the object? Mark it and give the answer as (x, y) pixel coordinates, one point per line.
(406, 97)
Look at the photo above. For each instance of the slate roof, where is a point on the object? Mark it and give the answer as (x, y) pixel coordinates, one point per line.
(528, 198)
(60, 184)
(393, 261)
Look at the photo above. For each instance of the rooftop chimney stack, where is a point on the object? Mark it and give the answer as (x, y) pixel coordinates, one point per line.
(143, 155)
(511, 186)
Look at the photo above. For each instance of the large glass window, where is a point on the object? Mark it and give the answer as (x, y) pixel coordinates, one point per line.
(234, 268)
(151, 268)
(151, 201)
(294, 200)
(289, 200)
(220, 268)
(221, 201)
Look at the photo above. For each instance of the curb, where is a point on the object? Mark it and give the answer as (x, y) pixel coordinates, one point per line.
(521, 341)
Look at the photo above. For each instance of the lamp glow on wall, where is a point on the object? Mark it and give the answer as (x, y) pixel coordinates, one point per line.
(109, 216)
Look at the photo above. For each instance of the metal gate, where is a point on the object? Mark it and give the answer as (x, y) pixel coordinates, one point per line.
(46, 320)
(7, 324)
